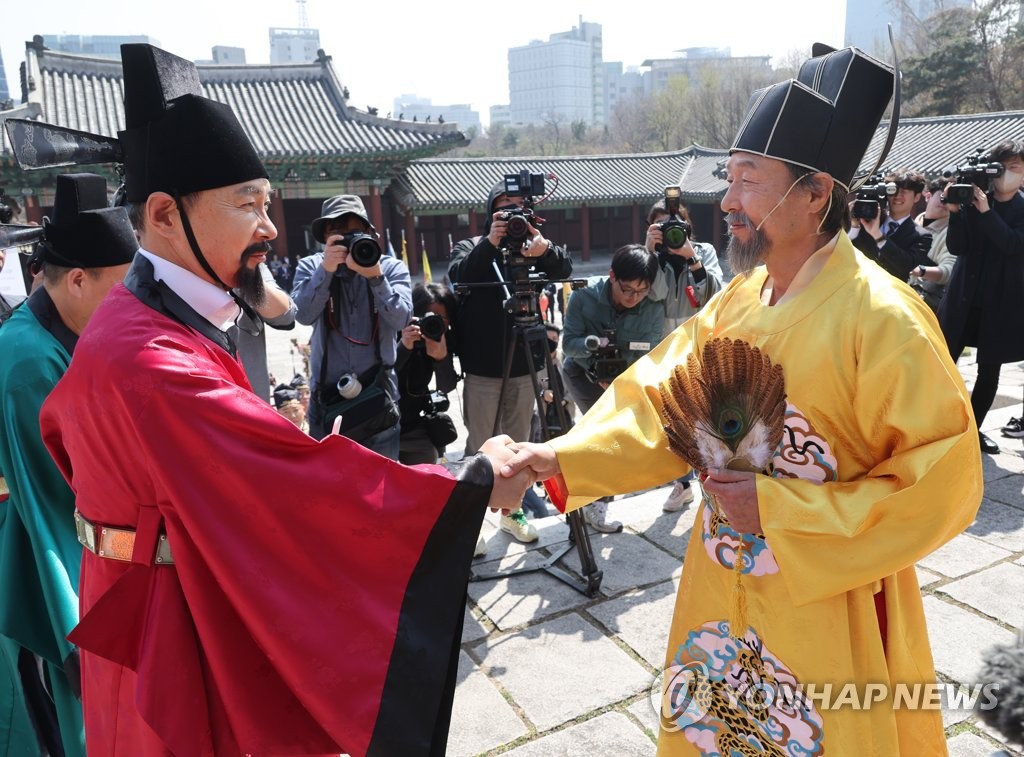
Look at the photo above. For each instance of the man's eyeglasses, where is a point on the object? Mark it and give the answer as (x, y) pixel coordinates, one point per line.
(630, 291)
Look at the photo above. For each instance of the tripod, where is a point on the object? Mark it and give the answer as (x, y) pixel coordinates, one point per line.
(528, 331)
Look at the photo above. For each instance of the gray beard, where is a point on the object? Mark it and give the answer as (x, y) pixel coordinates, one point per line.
(745, 256)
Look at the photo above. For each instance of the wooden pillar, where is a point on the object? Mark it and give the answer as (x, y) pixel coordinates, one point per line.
(639, 233)
(585, 231)
(33, 213)
(277, 216)
(375, 209)
(410, 244)
(474, 223)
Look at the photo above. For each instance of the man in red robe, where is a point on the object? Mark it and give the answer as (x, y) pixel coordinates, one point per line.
(245, 589)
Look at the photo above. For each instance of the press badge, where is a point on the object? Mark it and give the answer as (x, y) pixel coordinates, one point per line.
(640, 346)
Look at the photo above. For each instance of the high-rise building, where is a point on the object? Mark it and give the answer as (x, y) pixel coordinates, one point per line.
(293, 45)
(228, 56)
(692, 60)
(867, 21)
(621, 85)
(561, 79)
(5, 93)
(98, 45)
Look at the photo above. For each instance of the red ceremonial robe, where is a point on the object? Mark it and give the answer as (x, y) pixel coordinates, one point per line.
(316, 598)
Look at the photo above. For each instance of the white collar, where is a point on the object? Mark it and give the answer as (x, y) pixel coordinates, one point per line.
(209, 300)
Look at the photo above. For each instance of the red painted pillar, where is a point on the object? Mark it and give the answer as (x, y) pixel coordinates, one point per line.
(639, 234)
(474, 223)
(33, 213)
(375, 208)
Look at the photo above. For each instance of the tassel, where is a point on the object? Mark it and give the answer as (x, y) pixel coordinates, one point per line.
(738, 611)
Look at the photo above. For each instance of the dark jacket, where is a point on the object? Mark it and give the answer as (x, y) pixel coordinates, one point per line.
(902, 252)
(485, 329)
(415, 368)
(988, 278)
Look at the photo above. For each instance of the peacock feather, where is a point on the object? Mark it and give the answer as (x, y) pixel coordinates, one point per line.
(725, 408)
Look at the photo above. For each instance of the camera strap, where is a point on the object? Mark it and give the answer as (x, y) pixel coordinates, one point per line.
(332, 321)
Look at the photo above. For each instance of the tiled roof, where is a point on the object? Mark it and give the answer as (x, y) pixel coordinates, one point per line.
(934, 143)
(462, 183)
(288, 111)
(924, 144)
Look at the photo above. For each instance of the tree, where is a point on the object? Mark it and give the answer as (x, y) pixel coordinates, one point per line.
(970, 61)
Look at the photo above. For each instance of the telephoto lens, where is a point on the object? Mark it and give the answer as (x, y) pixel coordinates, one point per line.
(432, 326)
(349, 386)
(363, 248)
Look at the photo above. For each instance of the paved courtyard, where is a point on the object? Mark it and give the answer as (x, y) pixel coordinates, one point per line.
(547, 671)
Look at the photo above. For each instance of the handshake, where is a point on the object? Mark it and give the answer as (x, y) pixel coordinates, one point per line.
(516, 466)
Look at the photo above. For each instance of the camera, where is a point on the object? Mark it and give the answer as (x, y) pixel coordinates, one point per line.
(872, 199)
(363, 248)
(526, 185)
(437, 402)
(675, 231)
(432, 326)
(979, 171)
(349, 386)
(606, 362)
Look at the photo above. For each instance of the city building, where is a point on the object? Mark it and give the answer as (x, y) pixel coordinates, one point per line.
(867, 21)
(223, 55)
(692, 60)
(293, 45)
(559, 80)
(408, 107)
(5, 93)
(97, 45)
(500, 116)
(622, 86)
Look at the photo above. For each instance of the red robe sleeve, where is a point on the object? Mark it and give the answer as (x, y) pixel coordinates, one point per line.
(316, 600)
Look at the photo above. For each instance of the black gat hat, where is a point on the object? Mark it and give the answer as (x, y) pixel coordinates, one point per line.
(824, 119)
(83, 232)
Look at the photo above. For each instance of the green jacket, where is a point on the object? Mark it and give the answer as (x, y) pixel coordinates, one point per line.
(637, 330)
(39, 552)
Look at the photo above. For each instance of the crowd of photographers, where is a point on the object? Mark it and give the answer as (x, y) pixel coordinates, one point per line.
(958, 240)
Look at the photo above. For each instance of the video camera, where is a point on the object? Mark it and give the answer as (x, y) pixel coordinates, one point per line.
(979, 171)
(675, 231)
(437, 402)
(873, 198)
(526, 185)
(606, 362)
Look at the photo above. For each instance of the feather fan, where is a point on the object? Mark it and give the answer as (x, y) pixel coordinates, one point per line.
(726, 408)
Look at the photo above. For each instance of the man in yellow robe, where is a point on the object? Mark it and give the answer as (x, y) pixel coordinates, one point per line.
(799, 627)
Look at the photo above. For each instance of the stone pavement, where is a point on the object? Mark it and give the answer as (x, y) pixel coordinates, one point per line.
(545, 670)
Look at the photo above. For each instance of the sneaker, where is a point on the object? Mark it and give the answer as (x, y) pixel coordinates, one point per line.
(1014, 428)
(516, 525)
(481, 547)
(680, 496)
(596, 515)
(987, 445)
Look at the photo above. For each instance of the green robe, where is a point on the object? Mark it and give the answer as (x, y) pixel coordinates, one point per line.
(39, 552)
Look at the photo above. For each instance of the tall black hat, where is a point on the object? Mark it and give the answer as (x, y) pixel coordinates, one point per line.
(825, 118)
(175, 140)
(83, 232)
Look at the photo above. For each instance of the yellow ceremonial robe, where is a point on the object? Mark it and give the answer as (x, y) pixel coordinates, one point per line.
(879, 465)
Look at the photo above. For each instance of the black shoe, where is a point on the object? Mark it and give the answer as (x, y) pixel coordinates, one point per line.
(1014, 428)
(987, 445)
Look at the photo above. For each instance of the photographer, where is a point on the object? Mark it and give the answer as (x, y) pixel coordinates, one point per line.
(982, 307)
(422, 354)
(614, 306)
(688, 277)
(930, 281)
(890, 237)
(485, 333)
(356, 312)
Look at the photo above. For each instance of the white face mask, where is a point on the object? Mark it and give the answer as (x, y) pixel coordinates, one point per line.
(1009, 181)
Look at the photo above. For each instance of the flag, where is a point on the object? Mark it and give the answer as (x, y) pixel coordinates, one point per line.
(405, 253)
(391, 250)
(426, 261)
(451, 244)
